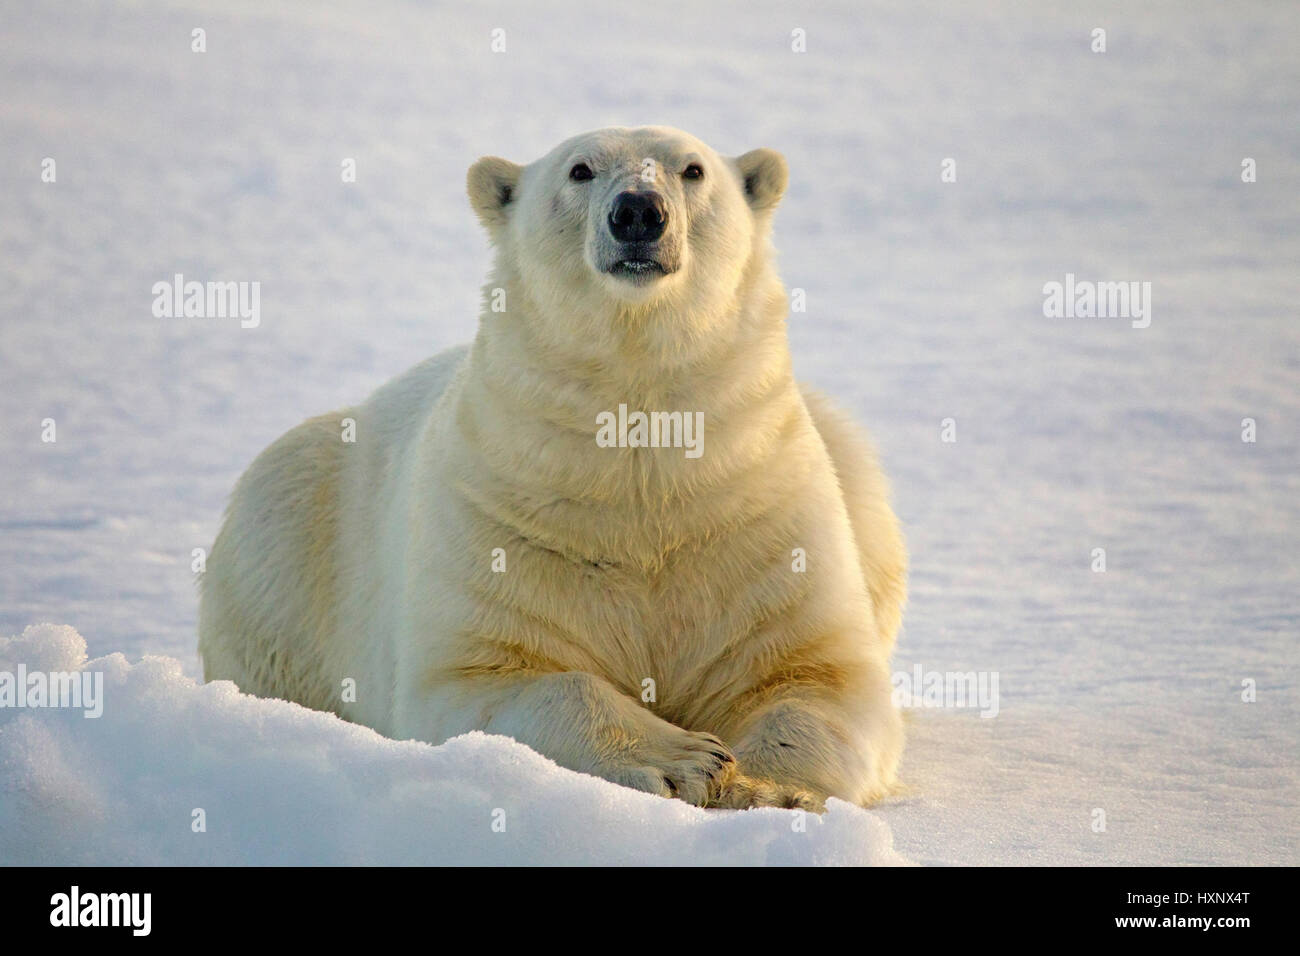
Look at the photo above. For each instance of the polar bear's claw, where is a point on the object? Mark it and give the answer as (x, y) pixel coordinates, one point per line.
(694, 768)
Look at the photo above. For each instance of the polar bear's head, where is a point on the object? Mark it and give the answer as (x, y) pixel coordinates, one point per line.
(624, 223)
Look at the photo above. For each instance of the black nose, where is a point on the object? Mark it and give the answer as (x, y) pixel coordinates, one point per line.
(638, 217)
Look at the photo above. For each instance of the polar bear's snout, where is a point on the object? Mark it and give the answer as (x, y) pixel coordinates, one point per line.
(637, 221)
(638, 216)
(637, 244)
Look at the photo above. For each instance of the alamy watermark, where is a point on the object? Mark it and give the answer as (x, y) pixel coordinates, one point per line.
(957, 689)
(179, 299)
(651, 430)
(81, 690)
(1084, 299)
(129, 910)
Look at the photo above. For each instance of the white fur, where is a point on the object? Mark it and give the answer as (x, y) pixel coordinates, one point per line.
(373, 560)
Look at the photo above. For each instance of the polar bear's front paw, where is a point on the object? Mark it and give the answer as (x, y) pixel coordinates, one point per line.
(690, 766)
(741, 793)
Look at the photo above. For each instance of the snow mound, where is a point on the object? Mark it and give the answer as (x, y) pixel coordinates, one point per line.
(280, 784)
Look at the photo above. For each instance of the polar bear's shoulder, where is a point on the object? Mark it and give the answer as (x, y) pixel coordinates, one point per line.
(421, 385)
(406, 401)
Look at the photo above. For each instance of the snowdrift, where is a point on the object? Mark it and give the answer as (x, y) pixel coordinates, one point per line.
(279, 784)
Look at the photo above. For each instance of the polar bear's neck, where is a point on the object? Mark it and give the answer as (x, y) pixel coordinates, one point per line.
(528, 415)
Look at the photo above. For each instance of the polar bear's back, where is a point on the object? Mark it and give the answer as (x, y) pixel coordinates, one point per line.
(269, 612)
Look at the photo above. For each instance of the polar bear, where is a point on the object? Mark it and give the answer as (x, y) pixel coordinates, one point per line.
(702, 608)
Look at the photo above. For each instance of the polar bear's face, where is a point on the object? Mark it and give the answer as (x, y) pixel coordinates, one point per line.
(624, 219)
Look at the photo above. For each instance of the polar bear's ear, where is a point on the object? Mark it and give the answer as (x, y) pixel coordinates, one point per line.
(492, 183)
(764, 173)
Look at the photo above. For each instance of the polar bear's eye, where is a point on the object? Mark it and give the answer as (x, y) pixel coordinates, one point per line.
(693, 171)
(581, 173)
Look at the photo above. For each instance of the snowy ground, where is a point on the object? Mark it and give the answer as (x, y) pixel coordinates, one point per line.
(1120, 691)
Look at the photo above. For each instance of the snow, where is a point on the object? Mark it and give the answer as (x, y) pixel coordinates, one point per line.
(279, 784)
(1120, 691)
